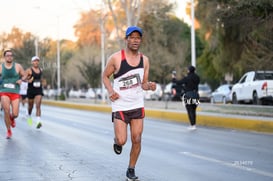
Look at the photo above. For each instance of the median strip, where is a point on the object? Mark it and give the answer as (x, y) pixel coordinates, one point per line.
(205, 119)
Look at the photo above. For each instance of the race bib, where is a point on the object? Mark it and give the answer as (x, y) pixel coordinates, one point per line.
(129, 82)
(36, 84)
(9, 85)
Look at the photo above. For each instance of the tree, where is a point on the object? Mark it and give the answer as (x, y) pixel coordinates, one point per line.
(22, 44)
(87, 62)
(128, 14)
(90, 71)
(238, 35)
(166, 40)
(87, 29)
(67, 50)
(249, 24)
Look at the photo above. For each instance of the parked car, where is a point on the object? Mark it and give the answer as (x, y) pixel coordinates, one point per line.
(50, 93)
(82, 93)
(167, 92)
(154, 95)
(254, 87)
(173, 94)
(100, 94)
(222, 94)
(74, 93)
(204, 91)
(90, 94)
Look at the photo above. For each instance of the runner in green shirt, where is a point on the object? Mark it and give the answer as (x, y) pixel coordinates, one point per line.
(12, 76)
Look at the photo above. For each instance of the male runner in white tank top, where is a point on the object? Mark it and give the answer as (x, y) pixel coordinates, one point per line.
(130, 70)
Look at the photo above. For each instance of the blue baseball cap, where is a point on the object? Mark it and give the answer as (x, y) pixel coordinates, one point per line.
(131, 29)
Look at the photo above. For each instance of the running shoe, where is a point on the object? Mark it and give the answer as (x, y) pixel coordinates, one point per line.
(130, 174)
(192, 128)
(29, 121)
(117, 148)
(9, 134)
(12, 121)
(39, 125)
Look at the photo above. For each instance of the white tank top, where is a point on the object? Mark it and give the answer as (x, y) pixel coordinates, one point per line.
(127, 83)
(23, 88)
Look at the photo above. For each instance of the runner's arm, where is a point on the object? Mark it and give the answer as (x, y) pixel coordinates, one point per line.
(21, 72)
(107, 73)
(147, 85)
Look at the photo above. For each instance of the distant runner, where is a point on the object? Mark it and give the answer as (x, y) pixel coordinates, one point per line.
(12, 75)
(35, 90)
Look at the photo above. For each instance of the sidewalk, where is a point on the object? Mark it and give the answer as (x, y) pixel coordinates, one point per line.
(242, 117)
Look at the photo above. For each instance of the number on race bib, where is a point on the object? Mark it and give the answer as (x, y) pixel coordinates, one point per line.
(129, 82)
(9, 85)
(36, 84)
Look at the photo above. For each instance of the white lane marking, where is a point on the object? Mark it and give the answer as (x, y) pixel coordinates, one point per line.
(228, 164)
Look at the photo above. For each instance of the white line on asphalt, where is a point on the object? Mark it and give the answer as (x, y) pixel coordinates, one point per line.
(228, 164)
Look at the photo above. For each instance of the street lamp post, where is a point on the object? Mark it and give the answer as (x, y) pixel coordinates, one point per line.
(58, 69)
(102, 59)
(193, 56)
(58, 51)
(36, 46)
(58, 64)
(102, 21)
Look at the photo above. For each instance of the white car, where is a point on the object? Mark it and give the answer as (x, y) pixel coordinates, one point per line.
(222, 94)
(204, 91)
(255, 87)
(74, 93)
(90, 94)
(173, 94)
(154, 95)
(99, 93)
(50, 93)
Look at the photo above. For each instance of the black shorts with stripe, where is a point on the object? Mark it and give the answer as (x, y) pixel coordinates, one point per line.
(127, 116)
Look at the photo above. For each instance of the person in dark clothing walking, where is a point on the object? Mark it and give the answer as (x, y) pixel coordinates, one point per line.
(190, 97)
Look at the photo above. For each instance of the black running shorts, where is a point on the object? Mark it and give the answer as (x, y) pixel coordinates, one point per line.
(32, 94)
(127, 116)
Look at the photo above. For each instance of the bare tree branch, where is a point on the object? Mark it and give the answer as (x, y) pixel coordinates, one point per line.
(115, 22)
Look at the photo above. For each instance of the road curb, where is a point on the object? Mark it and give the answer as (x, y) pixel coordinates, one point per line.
(227, 121)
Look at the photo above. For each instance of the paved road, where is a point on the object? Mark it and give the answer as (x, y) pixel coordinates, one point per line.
(77, 145)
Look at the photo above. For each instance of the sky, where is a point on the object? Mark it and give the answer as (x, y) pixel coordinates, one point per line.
(50, 18)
